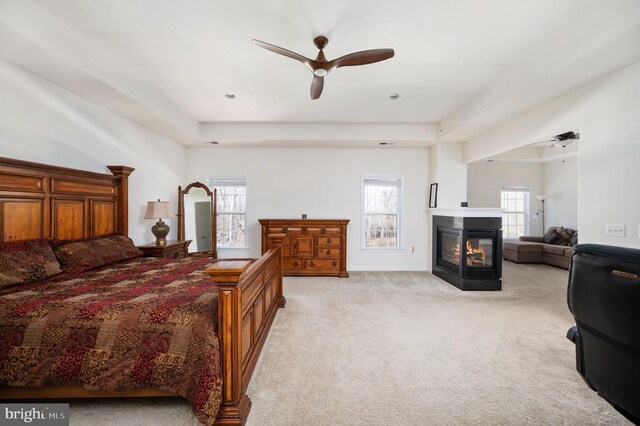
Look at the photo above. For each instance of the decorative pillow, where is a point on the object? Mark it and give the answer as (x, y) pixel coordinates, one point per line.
(574, 240)
(24, 262)
(82, 255)
(565, 236)
(552, 236)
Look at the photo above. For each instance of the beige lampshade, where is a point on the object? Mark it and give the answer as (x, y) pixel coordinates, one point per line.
(158, 210)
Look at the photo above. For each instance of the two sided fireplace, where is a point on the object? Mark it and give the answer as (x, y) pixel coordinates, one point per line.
(467, 251)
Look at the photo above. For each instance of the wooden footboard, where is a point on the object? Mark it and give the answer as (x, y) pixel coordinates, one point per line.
(250, 293)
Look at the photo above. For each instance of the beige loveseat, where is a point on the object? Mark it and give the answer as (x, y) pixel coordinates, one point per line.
(530, 249)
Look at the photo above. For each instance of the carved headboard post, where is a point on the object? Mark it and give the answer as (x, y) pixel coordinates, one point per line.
(122, 194)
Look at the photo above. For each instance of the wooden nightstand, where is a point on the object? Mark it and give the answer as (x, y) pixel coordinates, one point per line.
(173, 248)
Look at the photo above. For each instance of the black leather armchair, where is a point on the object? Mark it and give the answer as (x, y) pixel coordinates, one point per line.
(604, 298)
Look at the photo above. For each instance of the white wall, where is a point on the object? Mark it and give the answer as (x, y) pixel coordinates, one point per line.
(486, 180)
(325, 183)
(561, 188)
(450, 172)
(605, 113)
(44, 123)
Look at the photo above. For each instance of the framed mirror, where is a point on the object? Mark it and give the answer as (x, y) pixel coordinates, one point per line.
(197, 218)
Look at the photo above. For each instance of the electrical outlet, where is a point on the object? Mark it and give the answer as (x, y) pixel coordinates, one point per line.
(413, 249)
(615, 230)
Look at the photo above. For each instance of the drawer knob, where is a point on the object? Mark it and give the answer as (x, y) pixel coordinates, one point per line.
(323, 231)
(295, 264)
(285, 230)
(334, 264)
(328, 240)
(328, 252)
(312, 264)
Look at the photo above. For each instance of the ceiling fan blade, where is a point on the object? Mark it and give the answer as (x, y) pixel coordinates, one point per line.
(316, 86)
(288, 53)
(363, 57)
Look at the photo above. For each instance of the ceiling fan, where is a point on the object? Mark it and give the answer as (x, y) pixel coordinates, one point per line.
(321, 66)
(561, 140)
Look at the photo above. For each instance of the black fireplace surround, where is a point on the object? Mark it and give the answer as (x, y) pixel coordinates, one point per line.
(467, 251)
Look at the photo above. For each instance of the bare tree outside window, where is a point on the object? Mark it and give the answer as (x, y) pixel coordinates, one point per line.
(381, 212)
(232, 209)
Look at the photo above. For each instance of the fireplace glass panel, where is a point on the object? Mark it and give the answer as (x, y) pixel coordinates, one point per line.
(479, 252)
(450, 245)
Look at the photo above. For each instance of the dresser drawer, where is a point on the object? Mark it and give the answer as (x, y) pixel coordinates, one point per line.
(322, 265)
(286, 241)
(289, 230)
(329, 253)
(323, 230)
(293, 264)
(176, 254)
(328, 241)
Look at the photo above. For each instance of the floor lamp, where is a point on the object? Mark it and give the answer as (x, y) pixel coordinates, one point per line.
(541, 212)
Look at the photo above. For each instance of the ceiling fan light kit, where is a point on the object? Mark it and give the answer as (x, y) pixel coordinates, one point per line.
(321, 66)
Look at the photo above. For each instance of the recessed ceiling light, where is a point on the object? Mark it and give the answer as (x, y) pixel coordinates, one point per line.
(394, 96)
(230, 96)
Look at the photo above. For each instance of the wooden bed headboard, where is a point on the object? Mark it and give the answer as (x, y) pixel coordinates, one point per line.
(43, 201)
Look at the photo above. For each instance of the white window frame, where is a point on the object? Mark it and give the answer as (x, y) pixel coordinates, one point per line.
(363, 214)
(213, 182)
(517, 188)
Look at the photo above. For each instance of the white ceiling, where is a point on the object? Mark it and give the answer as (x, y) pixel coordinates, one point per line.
(179, 58)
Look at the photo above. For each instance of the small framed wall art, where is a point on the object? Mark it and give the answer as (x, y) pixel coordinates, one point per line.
(433, 196)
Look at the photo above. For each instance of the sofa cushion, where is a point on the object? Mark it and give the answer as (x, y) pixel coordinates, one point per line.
(554, 249)
(552, 236)
(531, 239)
(522, 246)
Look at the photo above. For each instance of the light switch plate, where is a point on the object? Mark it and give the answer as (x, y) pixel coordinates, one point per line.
(615, 230)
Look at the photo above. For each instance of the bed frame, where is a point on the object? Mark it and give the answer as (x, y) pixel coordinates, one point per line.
(43, 201)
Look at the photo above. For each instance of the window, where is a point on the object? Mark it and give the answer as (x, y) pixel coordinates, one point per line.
(515, 202)
(381, 198)
(232, 210)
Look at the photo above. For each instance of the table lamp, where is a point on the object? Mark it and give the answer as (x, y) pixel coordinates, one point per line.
(158, 210)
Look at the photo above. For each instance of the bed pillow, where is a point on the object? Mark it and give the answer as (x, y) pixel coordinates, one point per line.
(82, 255)
(24, 262)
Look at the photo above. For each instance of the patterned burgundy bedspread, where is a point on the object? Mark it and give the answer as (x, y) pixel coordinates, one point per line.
(146, 323)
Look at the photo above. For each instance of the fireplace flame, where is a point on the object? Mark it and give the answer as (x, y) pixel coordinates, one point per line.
(473, 251)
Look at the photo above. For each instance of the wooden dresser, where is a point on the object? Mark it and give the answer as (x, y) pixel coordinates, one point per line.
(309, 246)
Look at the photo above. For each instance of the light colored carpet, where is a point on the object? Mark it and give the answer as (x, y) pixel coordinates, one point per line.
(406, 349)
